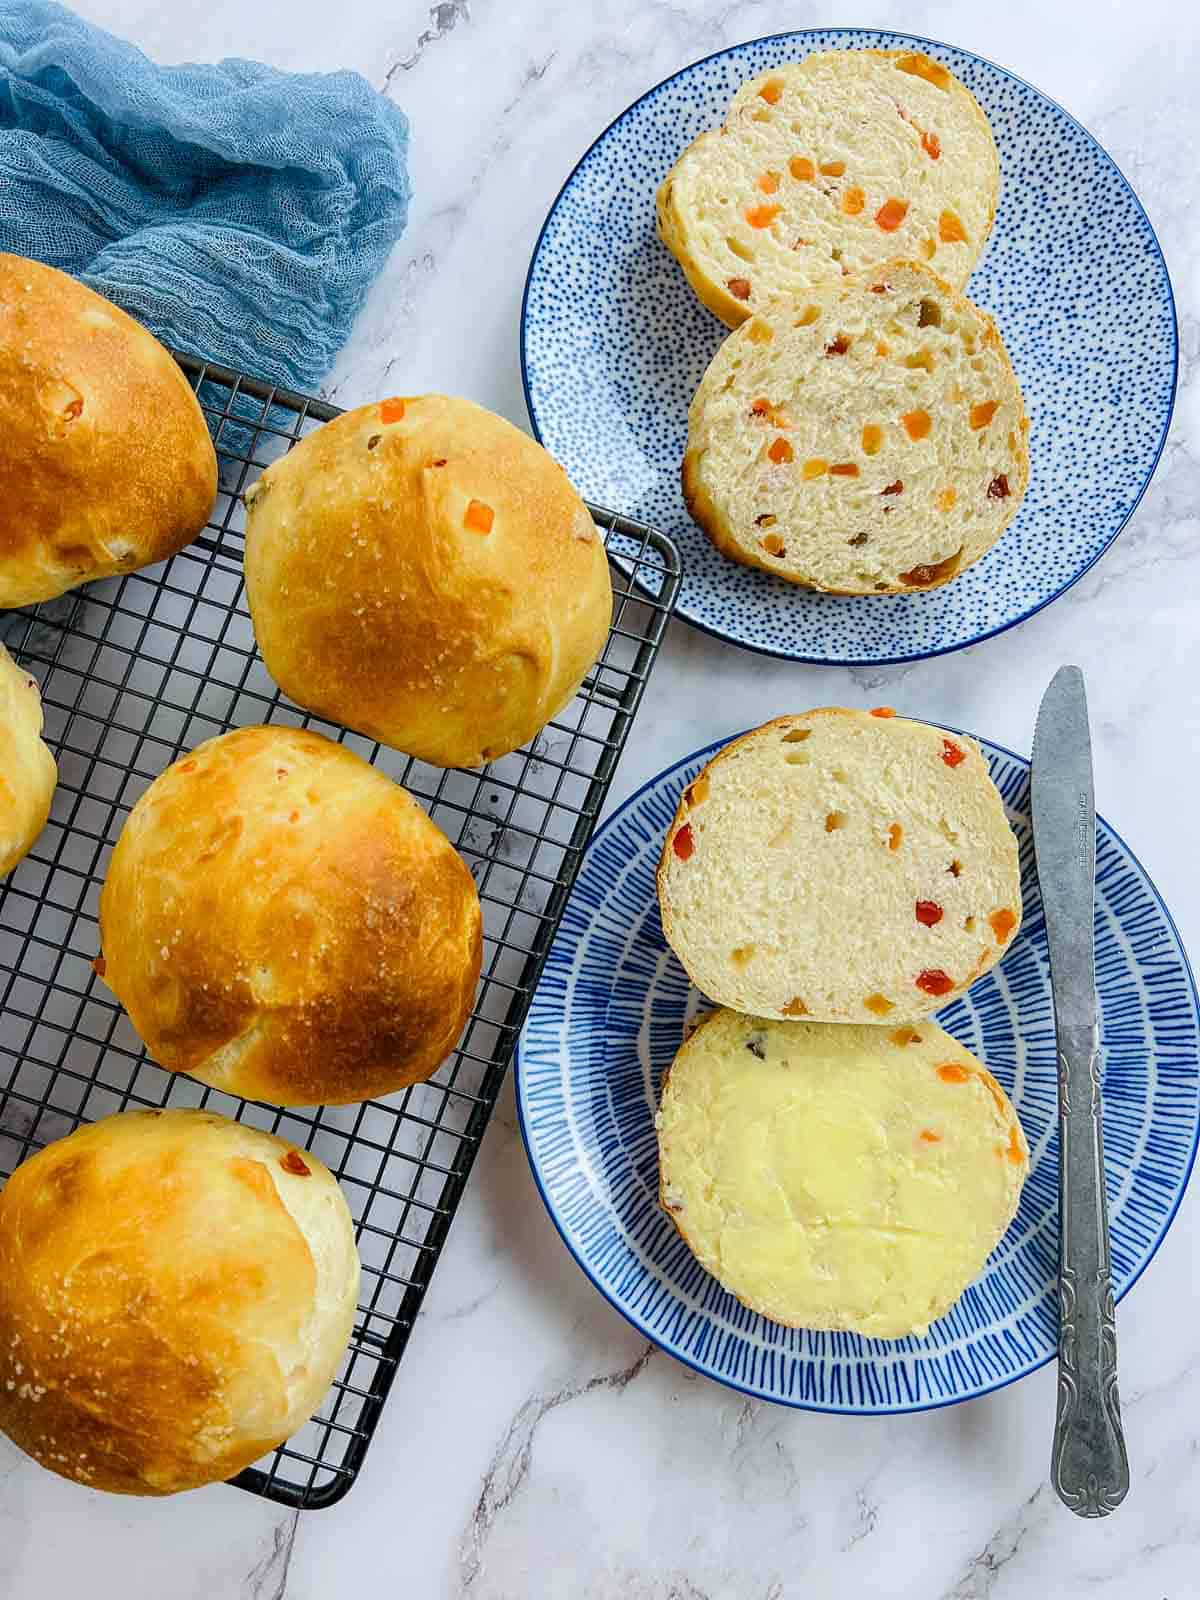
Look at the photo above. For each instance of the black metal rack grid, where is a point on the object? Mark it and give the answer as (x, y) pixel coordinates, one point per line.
(136, 670)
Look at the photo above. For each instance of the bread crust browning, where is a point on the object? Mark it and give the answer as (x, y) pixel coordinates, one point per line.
(107, 463)
(28, 775)
(284, 922)
(176, 1291)
(382, 600)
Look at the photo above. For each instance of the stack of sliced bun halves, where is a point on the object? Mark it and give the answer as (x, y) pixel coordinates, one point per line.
(832, 1156)
(861, 431)
(280, 920)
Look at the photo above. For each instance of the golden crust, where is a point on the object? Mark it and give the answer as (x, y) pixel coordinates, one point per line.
(176, 1291)
(712, 522)
(27, 772)
(107, 463)
(377, 604)
(285, 923)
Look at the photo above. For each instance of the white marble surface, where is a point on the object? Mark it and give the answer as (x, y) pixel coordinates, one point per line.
(533, 1446)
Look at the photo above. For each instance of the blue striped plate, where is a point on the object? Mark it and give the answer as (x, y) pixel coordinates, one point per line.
(611, 1011)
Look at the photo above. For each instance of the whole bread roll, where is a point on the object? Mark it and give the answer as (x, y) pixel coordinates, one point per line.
(872, 440)
(423, 572)
(838, 1177)
(28, 775)
(827, 166)
(285, 923)
(845, 866)
(176, 1291)
(107, 464)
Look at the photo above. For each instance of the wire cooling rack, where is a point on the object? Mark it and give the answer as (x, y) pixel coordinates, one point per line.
(138, 669)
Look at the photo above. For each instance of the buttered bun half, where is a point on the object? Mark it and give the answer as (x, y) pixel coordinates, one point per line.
(107, 464)
(844, 866)
(176, 1291)
(285, 923)
(28, 776)
(423, 572)
(838, 1177)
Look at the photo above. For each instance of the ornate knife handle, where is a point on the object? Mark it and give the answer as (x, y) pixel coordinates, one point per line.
(1088, 1465)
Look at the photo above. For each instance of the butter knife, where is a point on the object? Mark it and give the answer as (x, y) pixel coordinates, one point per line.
(1088, 1464)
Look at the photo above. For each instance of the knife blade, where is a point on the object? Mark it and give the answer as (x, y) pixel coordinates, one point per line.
(1089, 1467)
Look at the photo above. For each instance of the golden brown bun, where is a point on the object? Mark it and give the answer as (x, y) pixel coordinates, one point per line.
(285, 923)
(27, 772)
(422, 571)
(107, 464)
(176, 1291)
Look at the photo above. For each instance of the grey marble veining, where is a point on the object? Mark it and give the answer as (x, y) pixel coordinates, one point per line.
(533, 1447)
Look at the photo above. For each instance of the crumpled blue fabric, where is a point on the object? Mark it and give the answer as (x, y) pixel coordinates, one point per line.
(241, 213)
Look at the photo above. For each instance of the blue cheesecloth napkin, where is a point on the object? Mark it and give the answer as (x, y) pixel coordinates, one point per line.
(239, 212)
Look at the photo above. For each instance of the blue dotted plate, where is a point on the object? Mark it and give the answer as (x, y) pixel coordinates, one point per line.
(614, 343)
(611, 1012)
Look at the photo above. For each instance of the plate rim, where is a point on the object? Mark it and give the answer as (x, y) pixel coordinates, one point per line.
(710, 629)
(732, 1383)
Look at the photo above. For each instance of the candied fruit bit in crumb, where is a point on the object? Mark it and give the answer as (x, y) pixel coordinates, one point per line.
(760, 333)
(955, 869)
(878, 1005)
(882, 348)
(838, 346)
(742, 954)
(767, 520)
(795, 1007)
(982, 413)
(952, 754)
(891, 214)
(696, 792)
(934, 981)
(479, 517)
(808, 316)
(771, 91)
(391, 411)
(802, 169)
(761, 216)
(844, 469)
(872, 438)
(853, 201)
(796, 735)
(893, 488)
(768, 182)
(928, 249)
(1002, 923)
(895, 835)
(917, 424)
(683, 843)
(774, 545)
(834, 821)
(739, 288)
(815, 467)
(905, 1036)
(998, 488)
(953, 1072)
(929, 913)
(780, 451)
(833, 169)
(929, 1137)
(295, 1162)
(950, 228)
(920, 359)
(760, 408)
(931, 144)
(929, 315)
(920, 66)
(945, 498)
(882, 711)
(927, 574)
